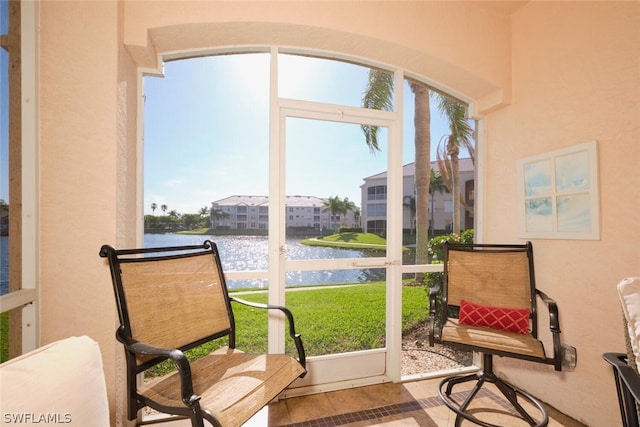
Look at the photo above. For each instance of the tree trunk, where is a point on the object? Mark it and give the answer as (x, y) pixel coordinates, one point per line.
(422, 123)
(453, 151)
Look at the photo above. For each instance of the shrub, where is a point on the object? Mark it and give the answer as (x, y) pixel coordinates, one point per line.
(436, 250)
(350, 230)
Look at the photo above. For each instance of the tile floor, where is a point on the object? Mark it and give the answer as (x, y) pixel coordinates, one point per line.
(388, 405)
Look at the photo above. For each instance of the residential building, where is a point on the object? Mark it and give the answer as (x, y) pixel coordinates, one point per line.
(440, 206)
(302, 212)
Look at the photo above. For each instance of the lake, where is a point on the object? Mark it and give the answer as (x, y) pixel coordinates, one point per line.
(245, 253)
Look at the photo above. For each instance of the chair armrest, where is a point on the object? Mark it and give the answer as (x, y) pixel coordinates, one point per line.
(433, 311)
(176, 356)
(554, 326)
(624, 371)
(297, 338)
(554, 319)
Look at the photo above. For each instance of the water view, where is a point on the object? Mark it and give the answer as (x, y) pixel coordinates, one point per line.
(4, 265)
(246, 253)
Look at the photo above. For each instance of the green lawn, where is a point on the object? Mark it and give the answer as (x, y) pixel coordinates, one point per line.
(330, 320)
(4, 336)
(350, 240)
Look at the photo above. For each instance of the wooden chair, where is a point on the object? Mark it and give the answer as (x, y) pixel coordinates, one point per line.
(487, 303)
(174, 299)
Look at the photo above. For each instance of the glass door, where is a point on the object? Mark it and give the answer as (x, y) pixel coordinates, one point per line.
(329, 259)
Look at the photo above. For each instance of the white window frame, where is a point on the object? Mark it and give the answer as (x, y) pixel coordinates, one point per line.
(280, 109)
(27, 297)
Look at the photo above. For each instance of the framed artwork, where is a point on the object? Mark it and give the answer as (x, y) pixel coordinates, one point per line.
(558, 194)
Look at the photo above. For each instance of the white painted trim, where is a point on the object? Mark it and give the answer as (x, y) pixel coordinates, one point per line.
(395, 180)
(479, 196)
(276, 341)
(17, 299)
(30, 177)
(362, 366)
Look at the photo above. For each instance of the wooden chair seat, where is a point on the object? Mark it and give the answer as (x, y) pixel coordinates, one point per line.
(232, 384)
(500, 341)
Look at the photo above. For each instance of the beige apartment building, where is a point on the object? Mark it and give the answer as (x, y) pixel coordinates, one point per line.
(302, 213)
(440, 206)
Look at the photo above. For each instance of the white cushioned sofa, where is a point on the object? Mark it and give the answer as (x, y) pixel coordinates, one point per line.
(627, 365)
(59, 383)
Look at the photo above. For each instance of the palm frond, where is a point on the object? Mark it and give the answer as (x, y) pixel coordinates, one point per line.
(378, 95)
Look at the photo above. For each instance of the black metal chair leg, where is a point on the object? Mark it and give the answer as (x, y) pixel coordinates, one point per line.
(510, 392)
(459, 380)
(472, 394)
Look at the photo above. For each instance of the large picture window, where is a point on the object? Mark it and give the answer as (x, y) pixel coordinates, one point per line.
(283, 161)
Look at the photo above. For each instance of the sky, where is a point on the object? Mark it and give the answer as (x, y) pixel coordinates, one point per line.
(206, 131)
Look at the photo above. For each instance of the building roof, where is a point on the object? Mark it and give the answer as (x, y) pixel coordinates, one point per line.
(465, 165)
(300, 201)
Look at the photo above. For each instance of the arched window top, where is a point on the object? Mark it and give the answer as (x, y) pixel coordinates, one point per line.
(172, 42)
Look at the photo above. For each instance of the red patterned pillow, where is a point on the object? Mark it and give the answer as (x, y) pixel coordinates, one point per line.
(504, 319)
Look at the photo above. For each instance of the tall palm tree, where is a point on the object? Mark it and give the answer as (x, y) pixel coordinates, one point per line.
(379, 95)
(154, 206)
(449, 150)
(164, 208)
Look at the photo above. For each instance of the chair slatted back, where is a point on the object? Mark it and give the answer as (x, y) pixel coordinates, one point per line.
(491, 275)
(492, 278)
(172, 301)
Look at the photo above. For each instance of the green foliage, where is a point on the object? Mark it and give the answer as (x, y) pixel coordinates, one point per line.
(436, 245)
(4, 336)
(436, 249)
(174, 221)
(350, 230)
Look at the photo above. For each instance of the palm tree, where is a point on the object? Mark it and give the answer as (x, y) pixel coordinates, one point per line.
(379, 95)
(449, 149)
(435, 184)
(334, 205)
(347, 205)
(356, 216)
(154, 206)
(219, 214)
(164, 208)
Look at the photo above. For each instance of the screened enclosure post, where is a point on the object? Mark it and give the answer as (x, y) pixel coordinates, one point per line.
(13, 47)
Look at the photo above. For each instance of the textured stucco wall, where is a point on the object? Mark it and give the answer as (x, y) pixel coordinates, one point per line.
(87, 113)
(576, 78)
(568, 70)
